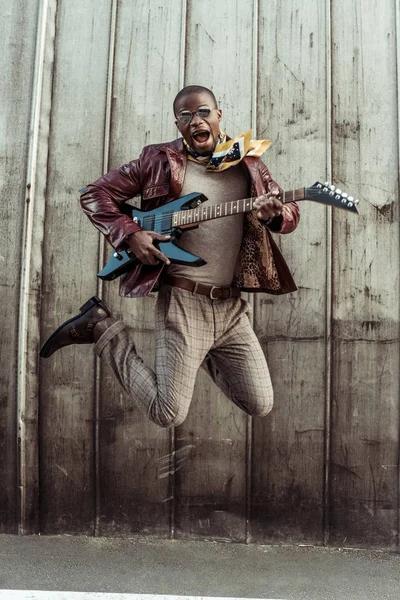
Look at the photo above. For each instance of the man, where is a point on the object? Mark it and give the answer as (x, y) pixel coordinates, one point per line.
(201, 320)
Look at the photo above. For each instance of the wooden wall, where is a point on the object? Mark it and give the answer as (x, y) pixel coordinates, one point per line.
(86, 85)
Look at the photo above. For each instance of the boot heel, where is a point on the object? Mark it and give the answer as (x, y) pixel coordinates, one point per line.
(93, 301)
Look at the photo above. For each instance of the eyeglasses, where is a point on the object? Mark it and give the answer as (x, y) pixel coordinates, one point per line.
(186, 116)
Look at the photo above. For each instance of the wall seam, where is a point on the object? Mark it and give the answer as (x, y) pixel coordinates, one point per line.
(25, 283)
(329, 280)
(397, 32)
(172, 432)
(249, 421)
(101, 251)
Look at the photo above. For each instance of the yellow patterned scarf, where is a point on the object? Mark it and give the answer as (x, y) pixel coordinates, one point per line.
(229, 153)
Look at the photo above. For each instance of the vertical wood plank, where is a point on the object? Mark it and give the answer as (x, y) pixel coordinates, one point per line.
(211, 485)
(135, 493)
(30, 296)
(288, 446)
(17, 68)
(70, 263)
(365, 417)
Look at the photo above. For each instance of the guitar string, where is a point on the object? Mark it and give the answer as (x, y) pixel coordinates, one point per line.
(157, 219)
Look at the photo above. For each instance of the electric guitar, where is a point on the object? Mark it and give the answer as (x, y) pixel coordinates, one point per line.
(187, 212)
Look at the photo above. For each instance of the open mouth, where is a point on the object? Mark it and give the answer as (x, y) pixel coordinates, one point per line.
(201, 137)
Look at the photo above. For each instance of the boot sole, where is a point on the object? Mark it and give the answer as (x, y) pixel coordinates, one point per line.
(93, 301)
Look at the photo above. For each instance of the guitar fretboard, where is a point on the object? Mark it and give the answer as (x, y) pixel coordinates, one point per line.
(204, 212)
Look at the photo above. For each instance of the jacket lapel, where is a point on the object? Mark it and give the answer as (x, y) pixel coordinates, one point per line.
(177, 159)
(251, 164)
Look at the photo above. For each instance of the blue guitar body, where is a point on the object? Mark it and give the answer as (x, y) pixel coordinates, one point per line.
(160, 221)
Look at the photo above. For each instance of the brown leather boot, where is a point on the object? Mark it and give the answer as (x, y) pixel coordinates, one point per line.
(78, 330)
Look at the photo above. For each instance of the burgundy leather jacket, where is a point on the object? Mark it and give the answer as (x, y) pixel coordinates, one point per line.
(157, 176)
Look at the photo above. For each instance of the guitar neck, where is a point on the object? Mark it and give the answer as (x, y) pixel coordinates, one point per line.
(204, 212)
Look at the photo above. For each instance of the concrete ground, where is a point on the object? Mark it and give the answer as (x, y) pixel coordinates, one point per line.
(194, 568)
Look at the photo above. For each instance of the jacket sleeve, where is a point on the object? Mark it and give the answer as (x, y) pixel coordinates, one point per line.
(102, 200)
(290, 217)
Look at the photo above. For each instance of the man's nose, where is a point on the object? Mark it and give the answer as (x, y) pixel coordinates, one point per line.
(196, 120)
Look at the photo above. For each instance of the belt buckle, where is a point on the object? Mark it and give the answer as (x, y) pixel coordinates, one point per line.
(214, 287)
(222, 297)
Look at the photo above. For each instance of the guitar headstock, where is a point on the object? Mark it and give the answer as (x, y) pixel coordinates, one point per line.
(332, 196)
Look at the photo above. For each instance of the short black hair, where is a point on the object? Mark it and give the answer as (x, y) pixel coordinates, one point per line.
(193, 89)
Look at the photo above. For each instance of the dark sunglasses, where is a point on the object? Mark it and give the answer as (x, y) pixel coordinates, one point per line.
(185, 116)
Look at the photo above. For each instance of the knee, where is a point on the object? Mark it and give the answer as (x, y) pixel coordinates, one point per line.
(262, 409)
(170, 419)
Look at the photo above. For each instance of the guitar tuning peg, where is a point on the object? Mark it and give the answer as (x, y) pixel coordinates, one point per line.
(350, 198)
(344, 195)
(332, 187)
(338, 191)
(326, 184)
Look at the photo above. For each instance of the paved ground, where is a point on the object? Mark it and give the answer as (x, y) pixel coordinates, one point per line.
(184, 568)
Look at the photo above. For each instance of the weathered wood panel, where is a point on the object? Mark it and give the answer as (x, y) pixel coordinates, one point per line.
(288, 455)
(103, 468)
(70, 262)
(365, 434)
(211, 488)
(134, 453)
(17, 67)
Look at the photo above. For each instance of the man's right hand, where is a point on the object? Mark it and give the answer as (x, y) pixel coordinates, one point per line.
(142, 245)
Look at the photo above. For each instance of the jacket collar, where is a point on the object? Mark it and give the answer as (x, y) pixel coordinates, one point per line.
(177, 159)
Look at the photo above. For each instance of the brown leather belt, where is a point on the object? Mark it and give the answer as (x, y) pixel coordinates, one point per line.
(212, 291)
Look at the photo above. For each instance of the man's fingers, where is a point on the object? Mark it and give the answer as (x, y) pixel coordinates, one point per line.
(162, 257)
(159, 237)
(268, 205)
(277, 207)
(142, 244)
(153, 254)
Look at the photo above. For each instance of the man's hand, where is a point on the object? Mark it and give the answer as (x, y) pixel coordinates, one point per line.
(269, 205)
(142, 246)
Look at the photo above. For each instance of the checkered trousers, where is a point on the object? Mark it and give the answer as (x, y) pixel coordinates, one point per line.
(192, 331)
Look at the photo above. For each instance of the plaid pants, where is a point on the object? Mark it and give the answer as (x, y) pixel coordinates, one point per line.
(192, 331)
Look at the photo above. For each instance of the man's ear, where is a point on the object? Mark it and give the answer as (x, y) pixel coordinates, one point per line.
(219, 112)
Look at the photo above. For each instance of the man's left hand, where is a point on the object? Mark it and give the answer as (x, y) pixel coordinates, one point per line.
(268, 205)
